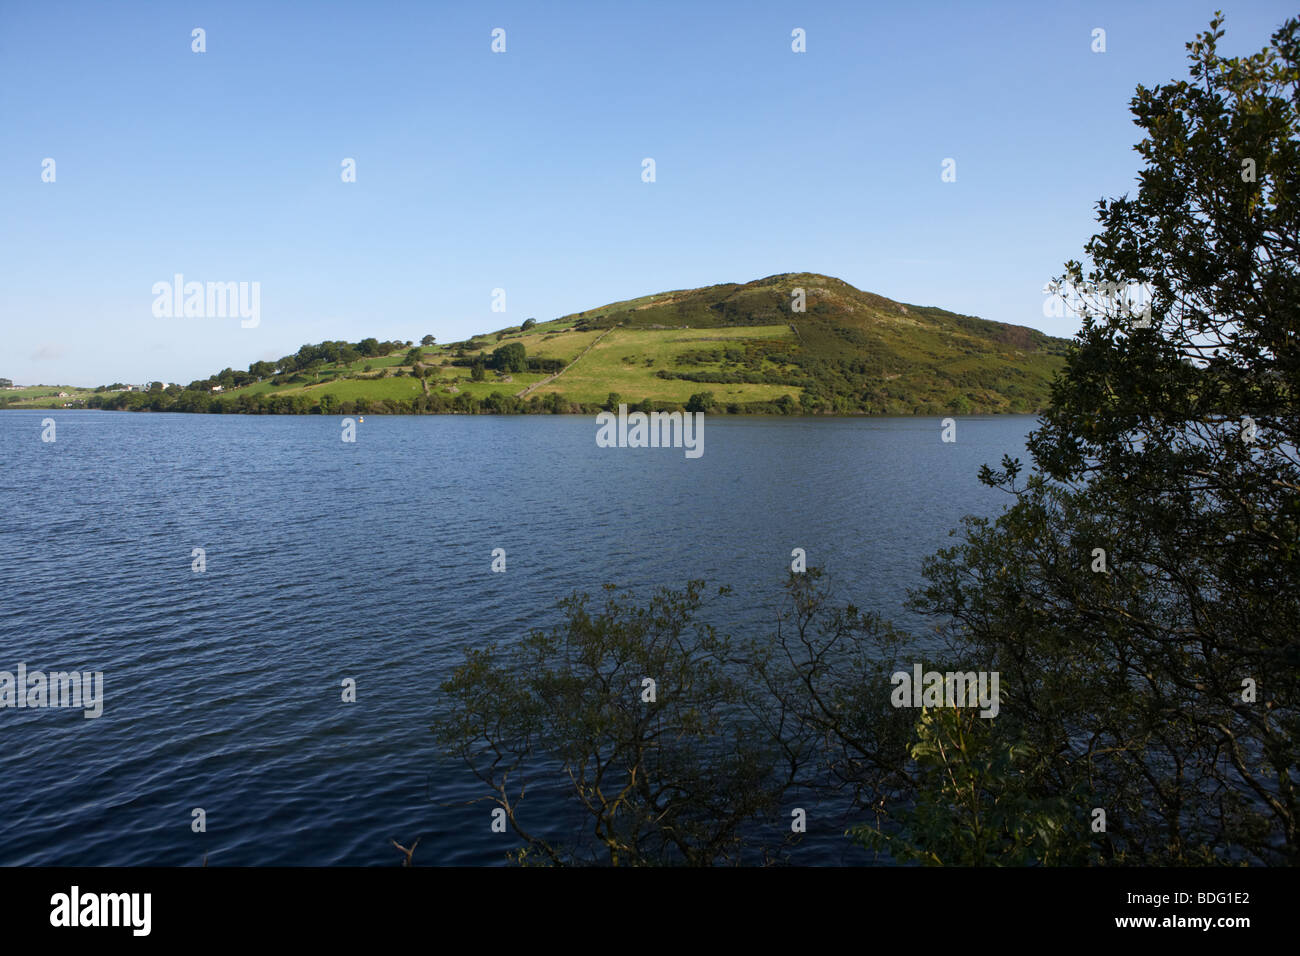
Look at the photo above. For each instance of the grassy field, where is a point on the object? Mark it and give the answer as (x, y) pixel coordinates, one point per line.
(43, 396)
(625, 361)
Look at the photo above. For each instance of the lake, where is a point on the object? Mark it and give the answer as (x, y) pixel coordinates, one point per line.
(371, 560)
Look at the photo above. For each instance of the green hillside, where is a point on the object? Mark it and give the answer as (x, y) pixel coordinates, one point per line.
(729, 348)
(850, 351)
(45, 396)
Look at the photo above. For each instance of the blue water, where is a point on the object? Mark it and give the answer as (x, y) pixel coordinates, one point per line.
(328, 560)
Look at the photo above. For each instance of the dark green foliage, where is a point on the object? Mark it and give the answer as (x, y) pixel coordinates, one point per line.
(547, 366)
(676, 775)
(974, 799)
(510, 357)
(1166, 687)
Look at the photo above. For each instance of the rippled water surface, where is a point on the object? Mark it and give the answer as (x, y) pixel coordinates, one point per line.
(328, 560)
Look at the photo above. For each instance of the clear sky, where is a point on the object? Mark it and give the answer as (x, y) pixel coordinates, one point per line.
(522, 170)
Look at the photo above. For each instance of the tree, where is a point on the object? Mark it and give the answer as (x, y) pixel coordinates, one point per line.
(427, 341)
(700, 402)
(612, 402)
(413, 357)
(510, 357)
(635, 709)
(699, 768)
(1141, 595)
(972, 800)
(528, 324)
(477, 371)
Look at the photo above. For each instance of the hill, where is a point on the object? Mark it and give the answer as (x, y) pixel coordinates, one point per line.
(734, 348)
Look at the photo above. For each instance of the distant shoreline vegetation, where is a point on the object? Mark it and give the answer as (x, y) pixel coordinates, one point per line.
(790, 344)
(496, 403)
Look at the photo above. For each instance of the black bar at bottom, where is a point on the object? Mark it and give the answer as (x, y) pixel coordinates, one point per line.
(332, 905)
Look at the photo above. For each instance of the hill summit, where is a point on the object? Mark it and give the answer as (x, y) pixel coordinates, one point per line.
(852, 344)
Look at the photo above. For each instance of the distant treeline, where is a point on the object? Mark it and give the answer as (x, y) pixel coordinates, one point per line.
(437, 403)
(301, 366)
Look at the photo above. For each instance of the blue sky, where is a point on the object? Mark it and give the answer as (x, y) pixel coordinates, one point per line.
(522, 170)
